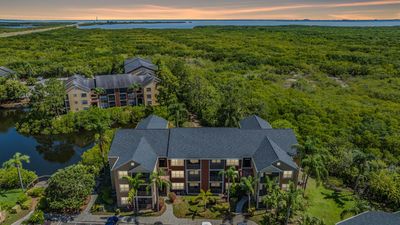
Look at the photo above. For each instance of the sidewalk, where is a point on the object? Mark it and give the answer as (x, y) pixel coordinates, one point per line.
(167, 218)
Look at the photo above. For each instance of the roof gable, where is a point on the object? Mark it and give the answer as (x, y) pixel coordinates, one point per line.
(152, 122)
(254, 122)
(136, 63)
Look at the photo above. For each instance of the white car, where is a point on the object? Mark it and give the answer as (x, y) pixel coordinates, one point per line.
(206, 223)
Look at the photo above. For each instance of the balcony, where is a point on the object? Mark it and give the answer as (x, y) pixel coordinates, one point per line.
(193, 190)
(217, 165)
(190, 165)
(215, 176)
(194, 177)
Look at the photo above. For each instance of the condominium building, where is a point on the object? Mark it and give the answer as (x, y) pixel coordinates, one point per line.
(138, 86)
(193, 157)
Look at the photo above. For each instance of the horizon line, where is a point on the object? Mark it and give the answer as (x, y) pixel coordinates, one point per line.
(388, 19)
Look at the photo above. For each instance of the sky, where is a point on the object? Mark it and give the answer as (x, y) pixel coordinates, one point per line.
(199, 9)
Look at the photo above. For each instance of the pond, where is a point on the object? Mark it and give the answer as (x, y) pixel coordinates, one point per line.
(47, 153)
(190, 24)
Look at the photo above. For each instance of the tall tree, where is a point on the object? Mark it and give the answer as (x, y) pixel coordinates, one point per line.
(134, 183)
(231, 174)
(158, 180)
(292, 198)
(314, 165)
(179, 112)
(248, 185)
(16, 161)
(362, 161)
(48, 100)
(134, 87)
(271, 198)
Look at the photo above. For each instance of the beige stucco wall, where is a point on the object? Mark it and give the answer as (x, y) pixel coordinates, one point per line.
(75, 99)
(154, 93)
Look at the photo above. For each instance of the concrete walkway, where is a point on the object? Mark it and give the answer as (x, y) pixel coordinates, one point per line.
(167, 218)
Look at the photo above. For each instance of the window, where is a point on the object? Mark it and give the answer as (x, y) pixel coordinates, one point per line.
(177, 162)
(215, 161)
(84, 102)
(178, 186)
(76, 102)
(232, 162)
(285, 187)
(177, 174)
(194, 161)
(75, 95)
(83, 95)
(148, 89)
(124, 187)
(124, 200)
(215, 184)
(122, 174)
(247, 163)
(194, 172)
(287, 174)
(148, 96)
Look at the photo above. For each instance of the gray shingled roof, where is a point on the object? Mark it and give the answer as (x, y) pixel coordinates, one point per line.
(152, 122)
(4, 71)
(127, 141)
(79, 81)
(121, 80)
(108, 81)
(135, 63)
(265, 146)
(373, 218)
(268, 153)
(254, 122)
(224, 142)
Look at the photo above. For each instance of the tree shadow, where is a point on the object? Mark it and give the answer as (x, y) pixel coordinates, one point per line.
(338, 197)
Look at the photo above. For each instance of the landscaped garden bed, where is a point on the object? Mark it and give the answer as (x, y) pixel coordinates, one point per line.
(193, 207)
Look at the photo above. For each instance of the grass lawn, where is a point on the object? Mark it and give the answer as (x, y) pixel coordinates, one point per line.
(183, 204)
(8, 198)
(327, 204)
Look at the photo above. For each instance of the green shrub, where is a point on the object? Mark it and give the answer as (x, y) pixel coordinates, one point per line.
(26, 205)
(16, 209)
(36, 218)
(36, 192)
(172, 196)
(98, 208)
(9, 177)
(22, 198)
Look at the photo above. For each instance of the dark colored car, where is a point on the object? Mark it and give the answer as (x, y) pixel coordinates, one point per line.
(112, 220)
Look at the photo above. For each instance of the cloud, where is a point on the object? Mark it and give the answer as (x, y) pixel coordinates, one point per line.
(231, 11)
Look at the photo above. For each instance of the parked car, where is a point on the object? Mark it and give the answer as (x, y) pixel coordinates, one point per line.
(112, 220)
(206, 223)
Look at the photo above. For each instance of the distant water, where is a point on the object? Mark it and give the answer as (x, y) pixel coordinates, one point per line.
(47, 153)
(197, 23)
(17, 27)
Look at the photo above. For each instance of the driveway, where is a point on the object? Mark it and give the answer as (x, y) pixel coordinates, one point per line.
(167, 218)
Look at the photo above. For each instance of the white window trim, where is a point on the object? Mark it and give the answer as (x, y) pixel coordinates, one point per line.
(229, 162)
(177, 162)
(177, 174)
(178, 186)
(122, 174)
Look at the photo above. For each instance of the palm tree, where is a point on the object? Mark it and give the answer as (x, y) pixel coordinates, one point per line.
(292, 198)
(158, 180)
(16, 161)
(271, 198)
(178, 110)
(308, 220)
(135, 87)
(359, 207)
(231, 174)
(362, 162)
(134, 183)
(204, 197)
(313, 164)
(248, 184)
